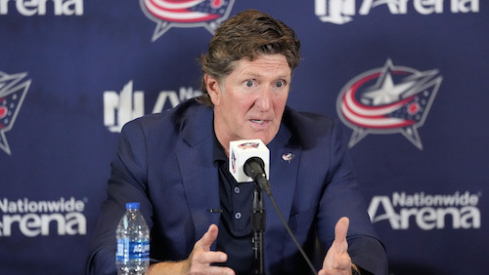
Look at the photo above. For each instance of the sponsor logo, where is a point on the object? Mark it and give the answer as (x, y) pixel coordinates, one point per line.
(185, 14)
(120, 108)
(428, 212)
(39, 7)
(127, 250)
(343, 11)
(248, 145)
(141, 248)
(388, 100)
(12, 94)
(42, 218)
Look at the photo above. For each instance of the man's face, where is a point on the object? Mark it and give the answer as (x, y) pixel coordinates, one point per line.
(249, 103)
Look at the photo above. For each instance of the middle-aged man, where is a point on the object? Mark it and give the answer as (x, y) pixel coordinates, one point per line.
(175, 164)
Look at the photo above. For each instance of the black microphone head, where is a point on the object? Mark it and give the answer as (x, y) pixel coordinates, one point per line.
(257, 160)
(253, 166)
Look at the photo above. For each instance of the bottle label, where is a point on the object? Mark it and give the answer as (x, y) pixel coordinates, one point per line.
(127, 250)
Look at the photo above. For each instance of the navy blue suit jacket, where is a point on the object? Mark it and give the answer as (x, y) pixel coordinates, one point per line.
(164, 162)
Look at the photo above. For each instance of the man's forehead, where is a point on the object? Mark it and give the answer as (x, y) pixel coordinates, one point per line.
(263, 65)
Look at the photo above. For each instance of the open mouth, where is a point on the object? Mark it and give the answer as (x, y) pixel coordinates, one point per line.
(258, 121)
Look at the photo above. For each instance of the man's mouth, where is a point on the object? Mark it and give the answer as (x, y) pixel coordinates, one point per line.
(258, 121)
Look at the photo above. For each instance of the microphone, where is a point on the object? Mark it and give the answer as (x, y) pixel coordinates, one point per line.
(254, 168)
(247, 162)
(255, 153)
(250, 161)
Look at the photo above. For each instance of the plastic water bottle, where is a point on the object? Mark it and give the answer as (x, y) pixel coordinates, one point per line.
(132, 256)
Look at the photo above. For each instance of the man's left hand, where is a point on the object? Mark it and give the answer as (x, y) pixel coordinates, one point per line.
(337, 260)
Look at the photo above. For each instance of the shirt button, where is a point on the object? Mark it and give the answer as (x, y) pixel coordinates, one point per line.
(236, 190)
(237, 215)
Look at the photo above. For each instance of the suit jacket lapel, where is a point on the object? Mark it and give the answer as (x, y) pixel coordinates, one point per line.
(199, 175)
(283, 181)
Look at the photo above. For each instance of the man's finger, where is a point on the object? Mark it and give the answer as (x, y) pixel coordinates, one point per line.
(201, 264)
(337, 260)
(209, 237)
(342, 263)
(217, 270)
(207, 258)
(340, 232)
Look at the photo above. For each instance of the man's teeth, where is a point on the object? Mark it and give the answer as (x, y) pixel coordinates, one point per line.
(257, 121)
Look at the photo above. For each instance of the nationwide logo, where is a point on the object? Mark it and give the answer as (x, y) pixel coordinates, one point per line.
(39, 7)
(428, 212)
(186, 14)
(120, 108)
(388, 100)
(343, 11)
(12, 94)
(42, 218)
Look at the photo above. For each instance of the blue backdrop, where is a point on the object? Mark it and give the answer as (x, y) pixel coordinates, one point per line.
(408, 79)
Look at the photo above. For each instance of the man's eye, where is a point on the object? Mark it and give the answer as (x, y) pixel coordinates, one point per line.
(249, 83)
(279, 84)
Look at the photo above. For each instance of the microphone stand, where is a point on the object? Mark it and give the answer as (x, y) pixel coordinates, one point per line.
(252, 168)
(258, 221)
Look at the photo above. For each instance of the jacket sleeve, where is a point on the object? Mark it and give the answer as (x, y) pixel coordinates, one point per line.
(127, 183)
(342, 198)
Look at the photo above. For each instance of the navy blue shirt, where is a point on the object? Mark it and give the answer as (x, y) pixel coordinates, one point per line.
(234, 237)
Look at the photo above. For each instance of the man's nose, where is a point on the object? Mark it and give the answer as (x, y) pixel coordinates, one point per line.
(264, 100)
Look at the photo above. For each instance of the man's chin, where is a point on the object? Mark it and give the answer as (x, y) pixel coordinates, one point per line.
(266, 138)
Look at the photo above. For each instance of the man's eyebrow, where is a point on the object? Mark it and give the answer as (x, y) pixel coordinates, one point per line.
(255, 75)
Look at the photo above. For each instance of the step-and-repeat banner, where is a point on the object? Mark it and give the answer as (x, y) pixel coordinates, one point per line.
(407, 78)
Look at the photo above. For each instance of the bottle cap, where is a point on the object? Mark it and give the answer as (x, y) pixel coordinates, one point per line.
(132, 205)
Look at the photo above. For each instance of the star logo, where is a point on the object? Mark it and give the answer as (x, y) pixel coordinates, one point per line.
(186, 14)
(388, 92)
(12, 93)
(388, 100)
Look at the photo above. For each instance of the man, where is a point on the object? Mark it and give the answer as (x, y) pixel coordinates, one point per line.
(175, 164)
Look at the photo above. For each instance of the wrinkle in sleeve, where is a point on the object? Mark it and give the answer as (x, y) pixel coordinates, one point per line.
(369, 254)
(102, 263)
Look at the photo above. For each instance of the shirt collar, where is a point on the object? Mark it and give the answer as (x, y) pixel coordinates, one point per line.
(218, 153)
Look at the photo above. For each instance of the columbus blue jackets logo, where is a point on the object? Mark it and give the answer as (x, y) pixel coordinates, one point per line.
(12, 93)
(249, 145)
(186, 14)
(388, 100)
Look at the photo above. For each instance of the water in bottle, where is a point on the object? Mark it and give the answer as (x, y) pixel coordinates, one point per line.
(132, 256)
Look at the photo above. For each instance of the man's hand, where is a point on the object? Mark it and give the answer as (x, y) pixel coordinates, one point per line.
(200, 260)
(337, 260)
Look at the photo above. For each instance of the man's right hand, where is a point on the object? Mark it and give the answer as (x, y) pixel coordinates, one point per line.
(200, 260)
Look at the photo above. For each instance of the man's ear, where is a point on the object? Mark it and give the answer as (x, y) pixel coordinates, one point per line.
(213, 89)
